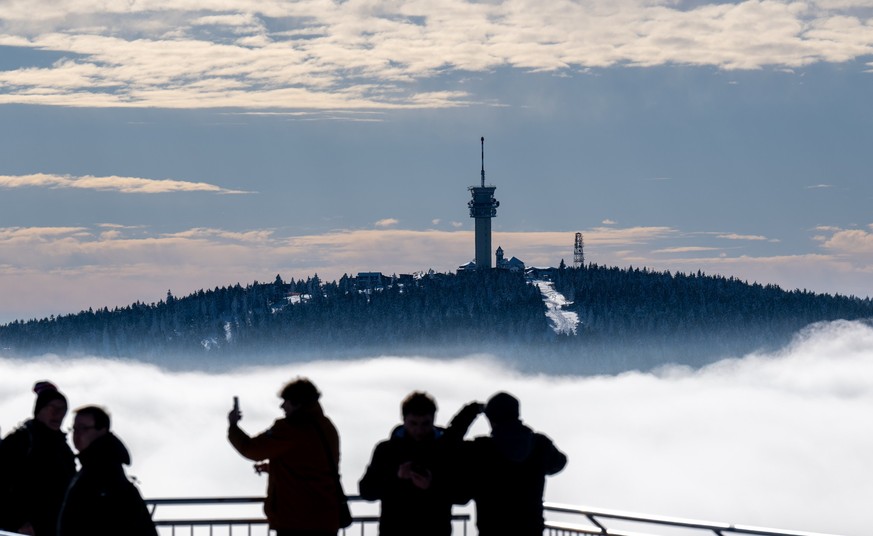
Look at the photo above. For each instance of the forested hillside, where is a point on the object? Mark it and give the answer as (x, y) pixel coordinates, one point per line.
(300, 319)
(629, 318)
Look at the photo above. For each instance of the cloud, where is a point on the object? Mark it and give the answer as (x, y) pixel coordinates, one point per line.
(12, 234)
(850, 242)
(387, 222)
(735, 236)
(608, 222)
(127, 185)
(777, 429)
(685, 249)
(819, 186)
(347, 55)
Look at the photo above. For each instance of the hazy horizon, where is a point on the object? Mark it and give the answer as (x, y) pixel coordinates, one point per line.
(769, 440)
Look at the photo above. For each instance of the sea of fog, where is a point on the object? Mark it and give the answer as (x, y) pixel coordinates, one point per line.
(781, 440)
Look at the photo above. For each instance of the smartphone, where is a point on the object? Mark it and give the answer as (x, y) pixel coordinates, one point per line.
(236, 403)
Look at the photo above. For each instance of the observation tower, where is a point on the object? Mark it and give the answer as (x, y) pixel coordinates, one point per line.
(483, 207)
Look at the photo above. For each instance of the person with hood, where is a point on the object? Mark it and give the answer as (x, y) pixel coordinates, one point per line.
(101, 501)
(36, 467)
(410, 474)
(506, 471)
(302, 453)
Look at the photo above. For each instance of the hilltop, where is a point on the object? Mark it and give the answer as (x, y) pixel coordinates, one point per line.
(628, 318)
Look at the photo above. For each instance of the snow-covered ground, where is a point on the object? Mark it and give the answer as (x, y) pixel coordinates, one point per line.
(563, 322)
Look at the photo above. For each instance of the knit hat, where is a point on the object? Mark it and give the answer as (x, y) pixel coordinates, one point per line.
(502, 407)
(46, 392)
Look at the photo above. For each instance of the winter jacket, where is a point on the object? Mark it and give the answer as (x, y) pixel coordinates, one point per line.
(301, 487)
(101, 500)
(36, 467)
(506, 474)
(405, 508)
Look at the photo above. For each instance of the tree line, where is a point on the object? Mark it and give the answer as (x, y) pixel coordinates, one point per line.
(629, 318)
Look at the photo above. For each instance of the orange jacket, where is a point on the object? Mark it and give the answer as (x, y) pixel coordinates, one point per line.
(301, 489)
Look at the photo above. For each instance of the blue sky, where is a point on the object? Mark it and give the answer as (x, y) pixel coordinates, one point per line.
(155, 145)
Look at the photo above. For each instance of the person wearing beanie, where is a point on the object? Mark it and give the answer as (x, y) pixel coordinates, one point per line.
(36, 467)
(505, 472)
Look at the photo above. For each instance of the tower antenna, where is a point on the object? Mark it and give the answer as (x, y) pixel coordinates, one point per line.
(483, 160)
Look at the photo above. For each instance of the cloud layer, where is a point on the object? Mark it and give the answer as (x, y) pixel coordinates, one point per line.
(127, 185)
(320, 54)
(54, 270)
(766, 440)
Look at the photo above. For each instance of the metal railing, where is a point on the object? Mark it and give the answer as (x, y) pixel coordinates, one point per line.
(243, 516)
(594, 521)
(199, 519)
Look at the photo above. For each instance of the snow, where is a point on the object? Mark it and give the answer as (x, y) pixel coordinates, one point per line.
(563, 322)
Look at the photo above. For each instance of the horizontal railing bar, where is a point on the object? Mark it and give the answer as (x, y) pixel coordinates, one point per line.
(206, 500)
(203, 522)
(578, 529)
(674, 521)
(261, 521)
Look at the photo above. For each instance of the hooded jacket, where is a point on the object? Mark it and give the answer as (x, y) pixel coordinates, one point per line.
(405, 508)
(36, 467)
(302, 489)
(506, 475)
(101, 500)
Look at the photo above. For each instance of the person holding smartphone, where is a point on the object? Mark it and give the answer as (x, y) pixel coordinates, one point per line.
(410, 473)
(302, 453)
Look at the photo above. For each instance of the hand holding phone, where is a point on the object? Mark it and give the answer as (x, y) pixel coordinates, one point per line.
(234, 416)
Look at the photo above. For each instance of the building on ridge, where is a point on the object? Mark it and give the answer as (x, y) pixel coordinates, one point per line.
(513, 265)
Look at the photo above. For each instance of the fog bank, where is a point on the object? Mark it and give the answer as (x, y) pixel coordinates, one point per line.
(778, 440)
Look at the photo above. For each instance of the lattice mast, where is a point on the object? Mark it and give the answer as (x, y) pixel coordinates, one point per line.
(579, 252)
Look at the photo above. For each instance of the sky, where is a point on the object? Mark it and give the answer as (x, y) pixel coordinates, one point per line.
(156, 145)
(774, 440)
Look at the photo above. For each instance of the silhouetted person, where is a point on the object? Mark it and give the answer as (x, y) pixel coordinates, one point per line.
(506, 471)
(410, 474)
(302, 450)
(101, 500)
(36, 467)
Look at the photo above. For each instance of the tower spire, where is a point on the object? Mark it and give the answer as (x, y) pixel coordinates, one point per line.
(483, 161)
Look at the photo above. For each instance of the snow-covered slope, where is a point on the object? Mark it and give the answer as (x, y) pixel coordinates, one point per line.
(563, 322)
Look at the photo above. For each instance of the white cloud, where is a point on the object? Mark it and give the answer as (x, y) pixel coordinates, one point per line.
(781, 430)
(337, 55)
(127, 185)
(735, 236)
(387, 222)
(685, 249)
(850, 242)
